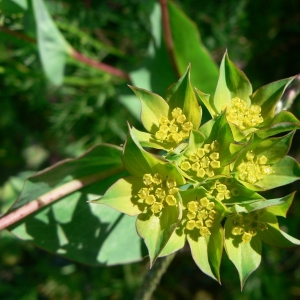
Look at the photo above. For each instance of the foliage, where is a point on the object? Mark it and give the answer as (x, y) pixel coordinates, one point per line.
(65, 121)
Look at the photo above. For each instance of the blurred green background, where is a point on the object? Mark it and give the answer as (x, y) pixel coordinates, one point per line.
(41, 124)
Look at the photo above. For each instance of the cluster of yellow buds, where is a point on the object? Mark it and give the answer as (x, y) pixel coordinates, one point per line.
(220, 191)
(158, 192)
(201, 215)
(254, 168)
(248, 224)
(174, 130)
(242, 116)
(201, 163)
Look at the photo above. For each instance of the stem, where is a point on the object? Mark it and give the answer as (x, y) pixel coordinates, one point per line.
(76, 55)
(153, 277)
(52, 196)
(100, 66)
(168, 35)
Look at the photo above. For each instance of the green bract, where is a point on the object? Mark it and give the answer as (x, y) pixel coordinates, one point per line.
(170, 122)
(246, 111)
(209, 176)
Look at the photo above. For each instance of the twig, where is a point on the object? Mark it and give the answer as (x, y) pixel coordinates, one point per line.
(52, 196)
(153, 277)
(100, 66)
(76, 55)
(168, 35)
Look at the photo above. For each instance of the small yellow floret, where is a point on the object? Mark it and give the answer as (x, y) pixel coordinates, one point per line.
(181, 119)
(191, 215)
(143, 193)
(147, 179)
(171, 183)
(156, 207)
(246, 237)
(204, 201)
(192, 206)
(176, 112)
(200, 152)
(185, 166)
(160, 193)
(190, 225)
(195, 166)
(215, 164)
(201, 173)
(150, 199)
(187, 126)
(171, 200)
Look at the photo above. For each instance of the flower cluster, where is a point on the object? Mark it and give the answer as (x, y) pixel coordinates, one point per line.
(175, 129)
(201, 215)
(254, 168)
(203, 162)
(202, 186)
(242, 116)
(157, 192)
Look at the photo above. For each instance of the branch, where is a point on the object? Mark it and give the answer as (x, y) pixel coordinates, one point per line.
(168, 35)
(76, 55)
(153, 277)
(100, 66)
(52, 196)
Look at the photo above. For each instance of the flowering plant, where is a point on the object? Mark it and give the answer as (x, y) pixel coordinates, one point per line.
(203, 186)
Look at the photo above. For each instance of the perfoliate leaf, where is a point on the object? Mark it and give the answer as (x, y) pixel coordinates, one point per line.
(245, 256)
(53, 48)
(153, 107)
(122, 196)
(232, 83)
(268, 95)
(157, 230)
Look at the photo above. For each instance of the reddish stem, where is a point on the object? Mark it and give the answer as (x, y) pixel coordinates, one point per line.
(168, 35)
(100, 66)
(52, 196)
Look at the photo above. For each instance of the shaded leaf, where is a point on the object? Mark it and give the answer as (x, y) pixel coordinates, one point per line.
(87, 233)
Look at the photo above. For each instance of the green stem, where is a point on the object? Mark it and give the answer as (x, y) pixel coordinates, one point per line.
(153, 277)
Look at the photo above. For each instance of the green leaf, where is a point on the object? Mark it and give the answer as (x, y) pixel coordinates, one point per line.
(121, 196)
(283, 121)
(278, 205)
(282, 209)
(148, 140)
(273, 236)
(153, 107)
(13, 6)
(245, 256)
(275, 148)
(204, 99)
(175, 243)
(53, 48)
(199, 249)
(136, 160)
(182, 95)
(232, 83)
(187, 48)
(285, 171)
(80, 231)
(267, 96)
(156, 231)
